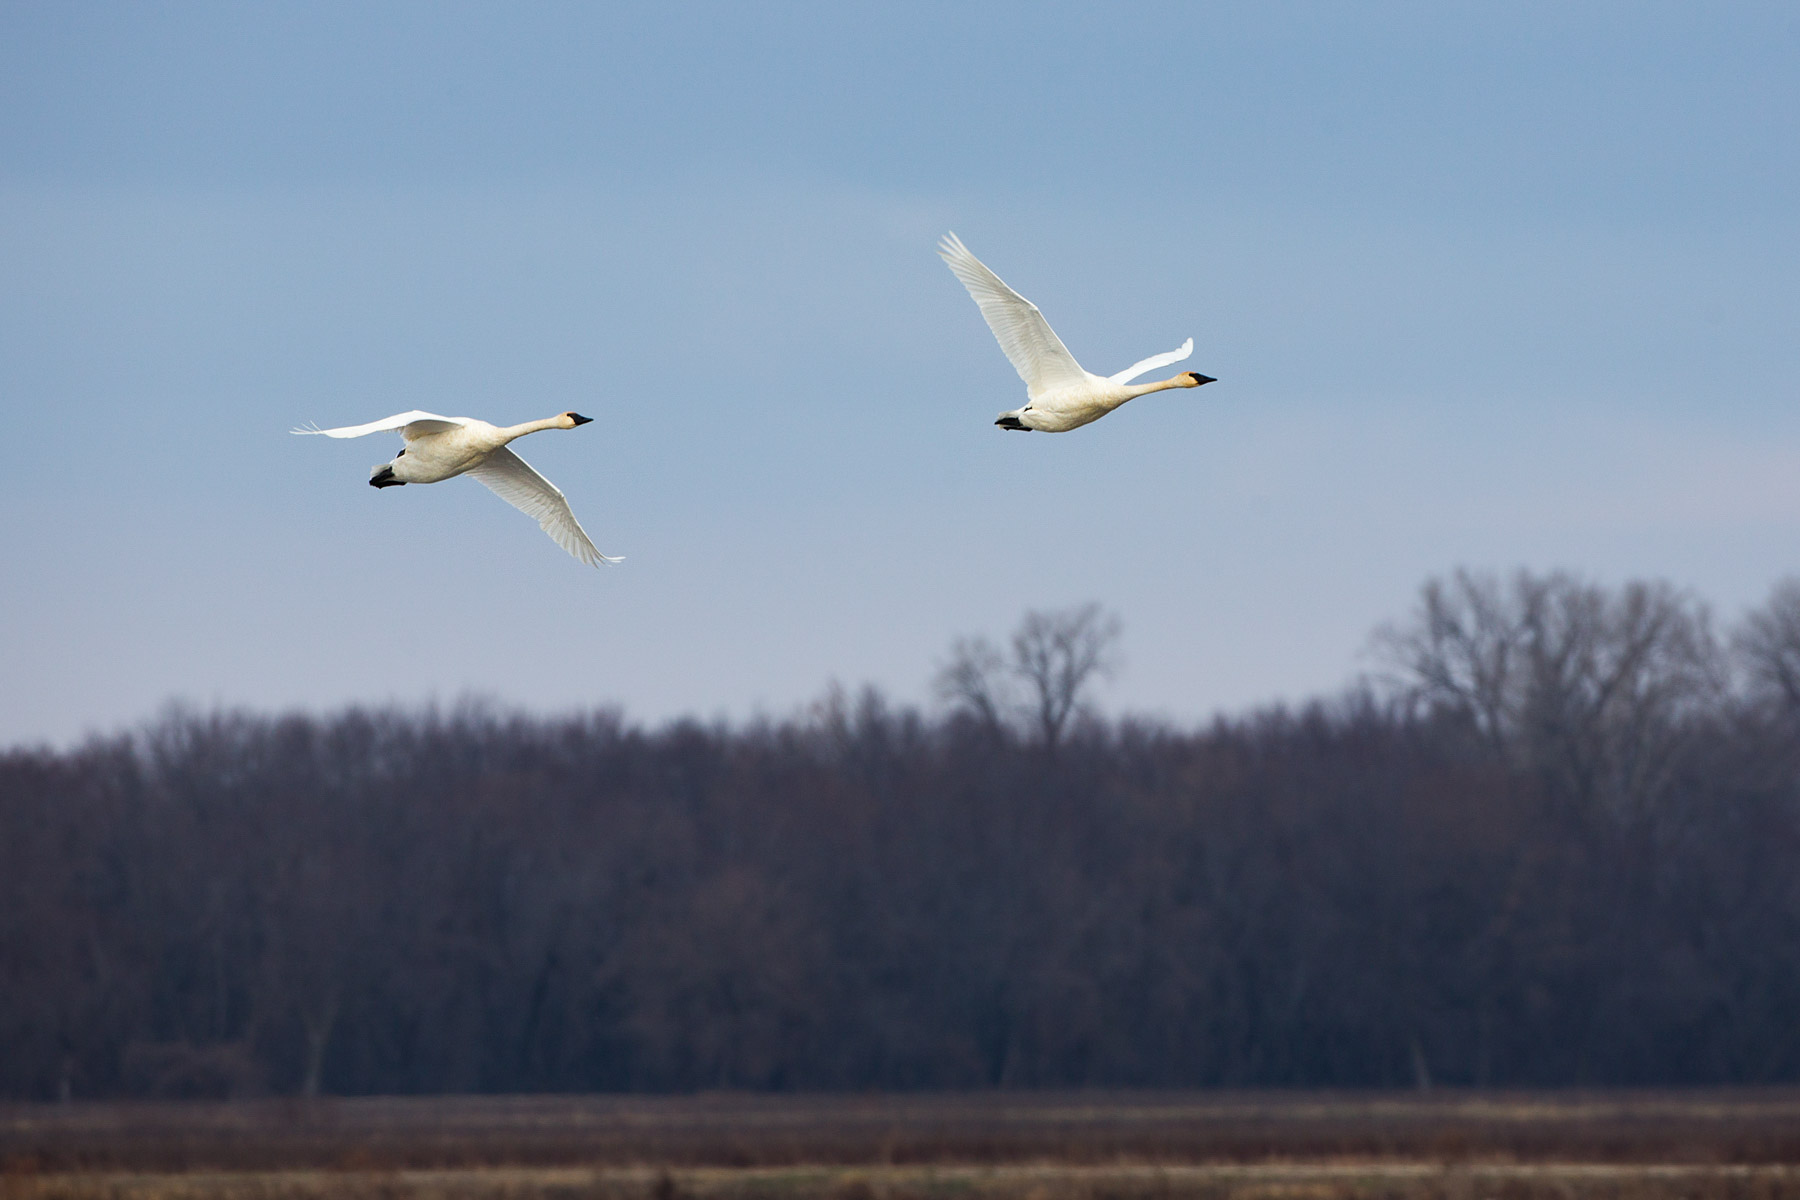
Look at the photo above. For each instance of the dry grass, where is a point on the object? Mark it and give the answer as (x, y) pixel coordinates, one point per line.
(1291, 1181)
(996, 1146)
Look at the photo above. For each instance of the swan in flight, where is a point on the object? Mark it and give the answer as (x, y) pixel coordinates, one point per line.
(444, 447)
(1063, 396)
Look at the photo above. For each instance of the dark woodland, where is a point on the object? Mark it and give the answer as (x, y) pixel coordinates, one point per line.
(1552, 839)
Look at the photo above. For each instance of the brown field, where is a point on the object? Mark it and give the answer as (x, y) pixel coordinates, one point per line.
(993, 1146)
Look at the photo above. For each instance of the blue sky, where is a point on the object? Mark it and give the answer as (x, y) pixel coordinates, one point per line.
(1494, 286)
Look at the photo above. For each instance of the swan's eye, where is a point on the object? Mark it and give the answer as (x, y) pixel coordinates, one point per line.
(402, 454)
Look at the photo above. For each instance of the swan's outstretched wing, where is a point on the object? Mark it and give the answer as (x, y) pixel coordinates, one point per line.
(410, 424)
(1037, 354)
(1154, 361)
(511, 478)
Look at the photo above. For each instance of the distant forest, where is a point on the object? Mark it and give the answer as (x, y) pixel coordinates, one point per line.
(1554, 838)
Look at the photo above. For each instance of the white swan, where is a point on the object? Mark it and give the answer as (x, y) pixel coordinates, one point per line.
(1063, 396)
(443, 447)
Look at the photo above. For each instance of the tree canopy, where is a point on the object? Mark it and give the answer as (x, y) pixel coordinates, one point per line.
(1552, 842)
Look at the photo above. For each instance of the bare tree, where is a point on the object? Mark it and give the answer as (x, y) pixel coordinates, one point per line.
(1460, 652)
(1055, 657)
(1057, 654)
(979, 680)
(1588, 687)
(1767, 648)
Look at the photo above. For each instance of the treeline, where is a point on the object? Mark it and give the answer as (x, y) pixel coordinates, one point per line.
(1555, 840)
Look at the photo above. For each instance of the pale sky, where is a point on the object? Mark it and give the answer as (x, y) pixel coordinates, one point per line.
(1483, 285)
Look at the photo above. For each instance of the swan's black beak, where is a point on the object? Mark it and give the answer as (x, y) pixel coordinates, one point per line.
(1199, 379)
(579, 419)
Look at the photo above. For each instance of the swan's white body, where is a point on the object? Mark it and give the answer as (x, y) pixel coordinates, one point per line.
(1062, 395)
(439, 448)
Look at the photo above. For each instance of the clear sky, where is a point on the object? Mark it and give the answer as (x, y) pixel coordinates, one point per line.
(1489, 285)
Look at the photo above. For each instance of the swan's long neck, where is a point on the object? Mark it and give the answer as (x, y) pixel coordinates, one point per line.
(509, 432)
(1134, 390)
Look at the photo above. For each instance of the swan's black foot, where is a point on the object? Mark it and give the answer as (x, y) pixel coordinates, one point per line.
(1011, 422)
(385, 478)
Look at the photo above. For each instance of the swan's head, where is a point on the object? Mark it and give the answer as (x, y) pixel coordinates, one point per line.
(575, 419)
(1195, 379)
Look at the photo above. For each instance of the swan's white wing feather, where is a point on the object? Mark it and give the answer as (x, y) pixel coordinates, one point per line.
(1154, 361)
(411, 425)
(511, 478)
(1037, 354)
